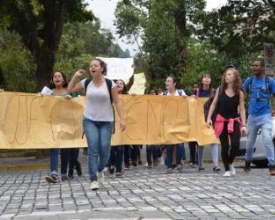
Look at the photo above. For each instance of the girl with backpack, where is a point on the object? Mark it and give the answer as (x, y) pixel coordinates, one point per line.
(98, 120)
(228, 126)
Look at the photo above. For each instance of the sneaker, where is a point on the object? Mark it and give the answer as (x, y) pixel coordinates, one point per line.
(52, 178)
(179, 168)
(201, 168)
(64, 177)
(126, 166)
(119, 175)
(169, 170)
(161, 160)
(149, 166)
(216, 169)
(101, 177)
(232, 170)
(78, 168)
(111, 170)
(70, 176)
(94, 185)
(227, 174)
(247, 166)
(146, 164)
(271, 170)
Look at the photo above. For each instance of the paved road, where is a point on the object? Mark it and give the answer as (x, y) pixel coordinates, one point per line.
(142, 194)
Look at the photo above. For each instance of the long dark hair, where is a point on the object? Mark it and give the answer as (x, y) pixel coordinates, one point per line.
(124, 91)
(205, 74)
(65, 83)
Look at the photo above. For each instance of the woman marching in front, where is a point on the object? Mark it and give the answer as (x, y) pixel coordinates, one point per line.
(228, 124)
(98, 120)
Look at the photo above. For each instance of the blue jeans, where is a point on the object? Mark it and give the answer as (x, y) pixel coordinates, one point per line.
(180, 153)
(54, 160)
(214, 154)
(266, 130)
(98, 135)
(116, 157)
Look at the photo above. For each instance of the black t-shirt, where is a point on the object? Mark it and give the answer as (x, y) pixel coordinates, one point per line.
(227, 106)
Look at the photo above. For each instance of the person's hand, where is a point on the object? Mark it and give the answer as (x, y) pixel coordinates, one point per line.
(194, 96)
(68, 97)
(209, 123)
(79, 73)
(244, 130)
(2, 90)
(122, 125)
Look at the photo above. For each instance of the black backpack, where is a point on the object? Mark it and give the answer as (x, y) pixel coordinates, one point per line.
(207, 105)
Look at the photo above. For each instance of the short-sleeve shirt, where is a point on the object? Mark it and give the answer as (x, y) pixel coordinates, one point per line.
(176, 93)
(98, 104)
(259, 101)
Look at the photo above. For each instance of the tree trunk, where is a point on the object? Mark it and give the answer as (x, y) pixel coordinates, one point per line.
(2, 80)
(45, 62)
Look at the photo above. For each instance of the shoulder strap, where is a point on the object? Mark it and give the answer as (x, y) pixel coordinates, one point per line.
(250, 85)
(165, 92)
(87, 81)
(179, 91)
(109, 85)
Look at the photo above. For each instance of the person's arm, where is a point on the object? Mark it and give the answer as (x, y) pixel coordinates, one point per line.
(212, 108)
(130, 83)
(74, 85)
(242, 113)
(119, 108)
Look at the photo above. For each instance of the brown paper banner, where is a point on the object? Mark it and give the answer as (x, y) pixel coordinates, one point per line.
(29, 121)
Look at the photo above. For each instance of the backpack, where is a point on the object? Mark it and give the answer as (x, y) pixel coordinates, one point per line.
(267, 85)
(207, 105)
(109, 85)
(178, 90)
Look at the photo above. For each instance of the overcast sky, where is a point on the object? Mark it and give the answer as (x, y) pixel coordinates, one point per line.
(104, 10)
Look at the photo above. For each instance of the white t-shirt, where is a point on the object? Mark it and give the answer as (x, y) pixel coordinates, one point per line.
(98, 105)
(177, 93)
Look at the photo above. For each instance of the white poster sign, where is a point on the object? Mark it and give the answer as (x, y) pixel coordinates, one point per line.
(119, 68)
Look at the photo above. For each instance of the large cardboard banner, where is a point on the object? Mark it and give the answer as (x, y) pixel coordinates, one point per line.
(31, 121)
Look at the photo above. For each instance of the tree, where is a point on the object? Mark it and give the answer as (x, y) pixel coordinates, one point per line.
(240, 27)
(164, 27)
(40, 25)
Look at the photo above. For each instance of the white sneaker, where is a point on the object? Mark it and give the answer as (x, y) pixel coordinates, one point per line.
(227, 174)
(232, 170)
(100, 176)
(94, 185)
(146, 165)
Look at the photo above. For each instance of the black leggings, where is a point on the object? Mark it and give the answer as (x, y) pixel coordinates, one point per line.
(229, 152)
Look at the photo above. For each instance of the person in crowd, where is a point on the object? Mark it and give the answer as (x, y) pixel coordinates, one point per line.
(98, 120)
(116, 154)
(171, 90)
(228, 126)
(205, 90)
(152, 151)
(69, 156)
(259, 88)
